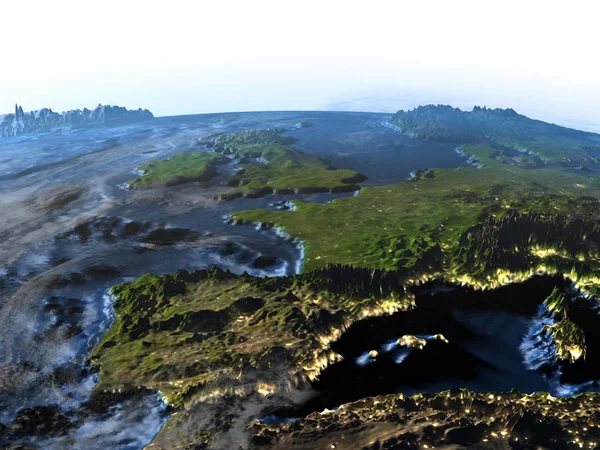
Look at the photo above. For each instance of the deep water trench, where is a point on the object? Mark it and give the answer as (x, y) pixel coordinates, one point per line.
(495, 343)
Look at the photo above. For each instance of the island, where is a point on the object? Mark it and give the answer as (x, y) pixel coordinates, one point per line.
(179, 169)
(266, 164)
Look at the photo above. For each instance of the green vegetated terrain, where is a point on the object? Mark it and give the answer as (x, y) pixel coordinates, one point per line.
(268, 164)
(201, 333)
(286, 171)
(517, 138)
(462, 224)
(180, 168)
(207, 333)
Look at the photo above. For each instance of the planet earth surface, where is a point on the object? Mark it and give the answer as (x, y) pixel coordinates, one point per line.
(301, 280)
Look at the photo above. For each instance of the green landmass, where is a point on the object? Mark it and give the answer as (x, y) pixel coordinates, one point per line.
(466, 224)
(209, 332)
(267, 165)
(518, 139)
(270, 165)
(178, 169)
(286, 171)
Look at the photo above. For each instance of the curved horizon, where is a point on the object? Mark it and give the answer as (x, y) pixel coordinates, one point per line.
(195, 57)
(579, 127)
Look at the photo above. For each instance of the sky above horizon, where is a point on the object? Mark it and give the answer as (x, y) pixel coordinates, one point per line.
(185, 57)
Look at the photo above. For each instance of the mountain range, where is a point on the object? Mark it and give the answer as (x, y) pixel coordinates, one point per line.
(45, 120)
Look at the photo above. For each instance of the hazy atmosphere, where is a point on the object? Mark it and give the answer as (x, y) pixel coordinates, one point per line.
(183, 57)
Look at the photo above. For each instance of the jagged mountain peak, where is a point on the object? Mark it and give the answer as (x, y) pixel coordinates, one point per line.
(45, 120)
